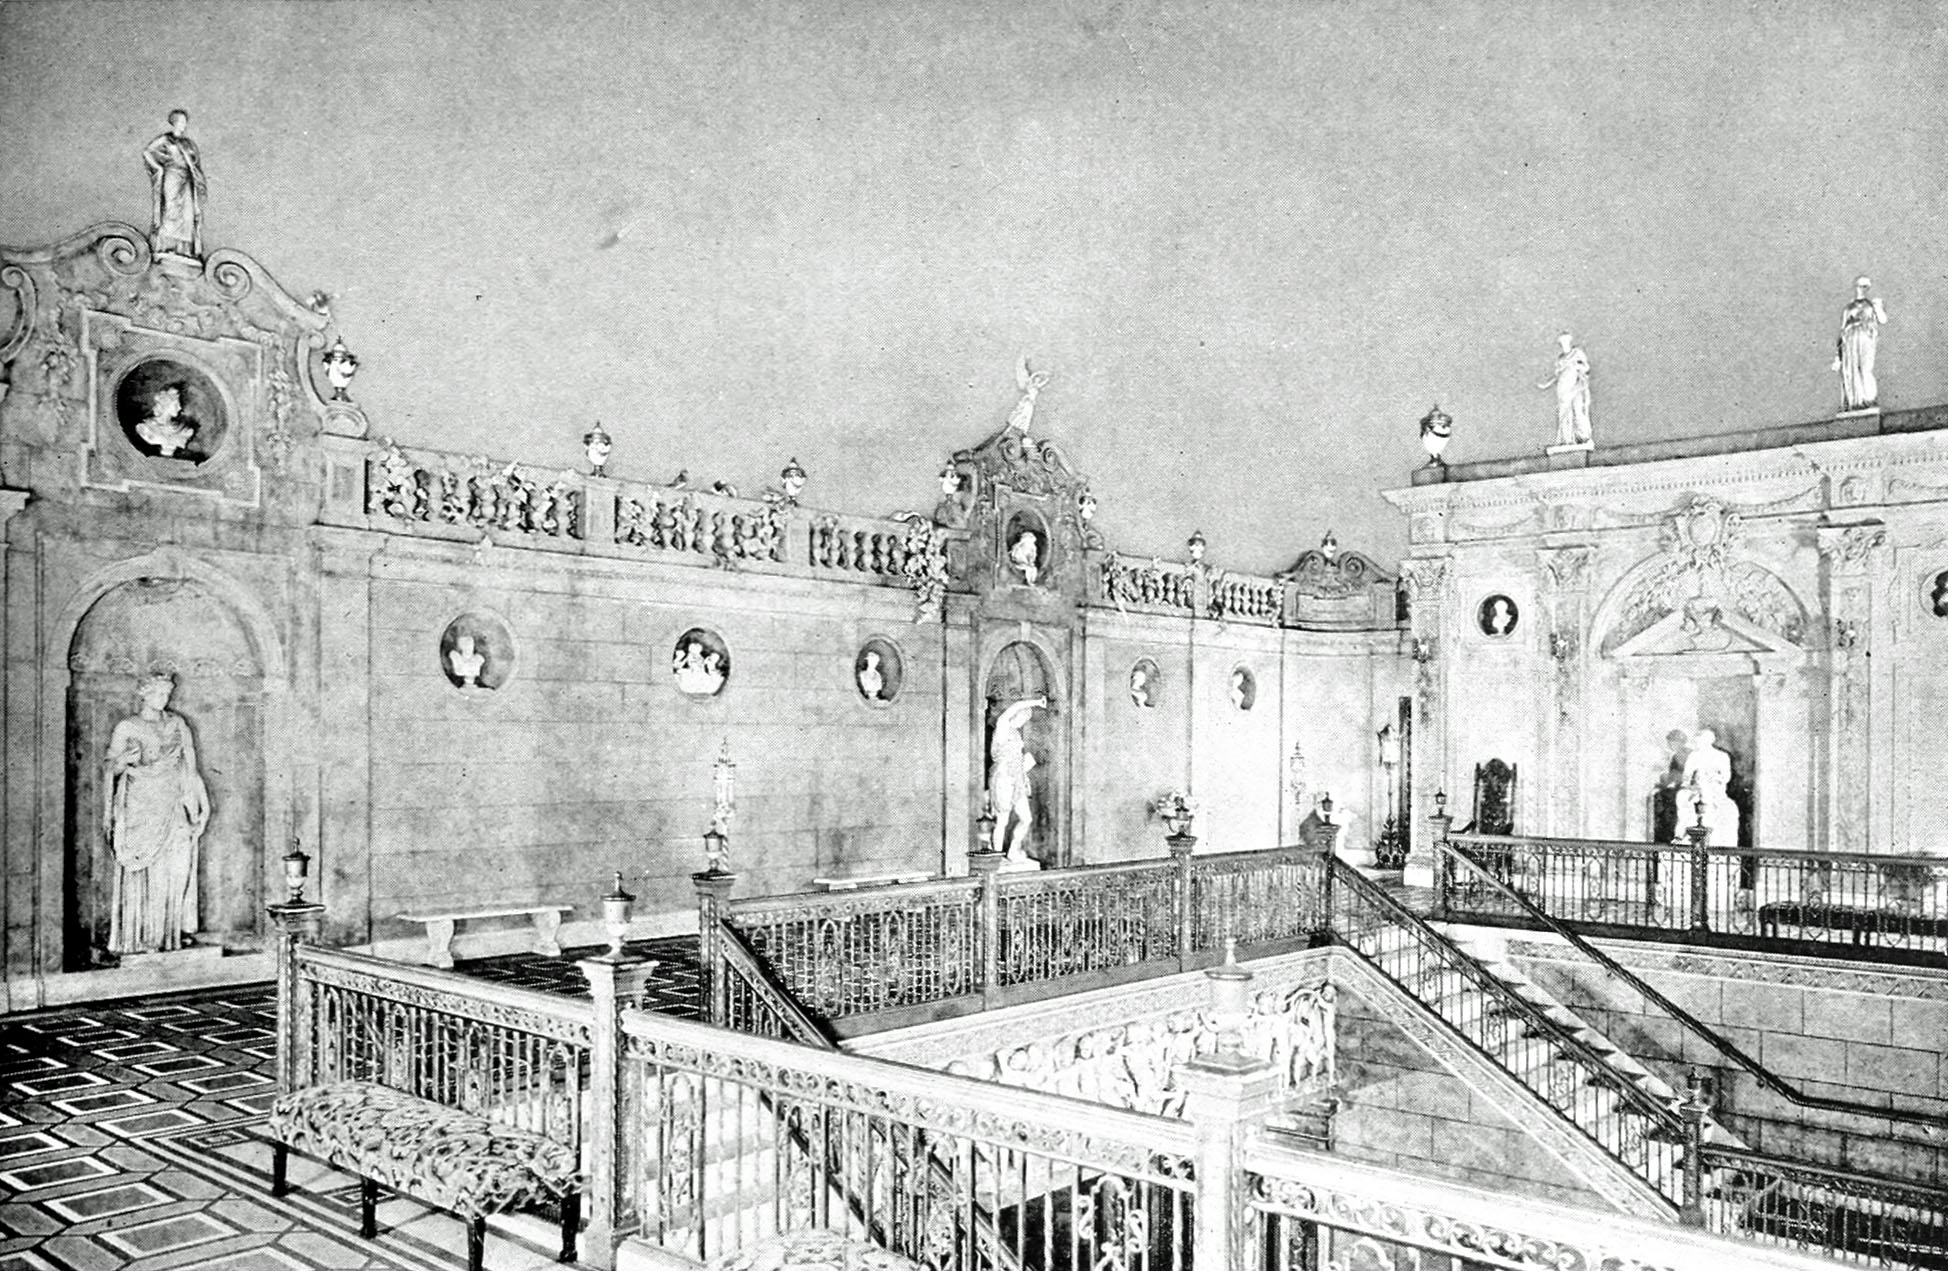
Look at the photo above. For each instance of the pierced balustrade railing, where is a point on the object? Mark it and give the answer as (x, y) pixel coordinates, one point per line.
(1833, 1213)
(509, 1054)
(869, 950)
(734, 1140)
(1247, 598)
(1149, 586)
(717, 528)
(1865, 902)
(1092, 918)
(476, 493)
(1630, 1125)
(860, 545)
(755, 1003)
(1257, 898)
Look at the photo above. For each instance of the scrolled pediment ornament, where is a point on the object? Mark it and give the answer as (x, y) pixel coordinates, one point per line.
(1333, 577)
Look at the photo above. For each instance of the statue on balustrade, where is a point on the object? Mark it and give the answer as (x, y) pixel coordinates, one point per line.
(1009, 785)
(1707, 781)
(1860, 324)
(177, 189)
(1571, 381)
(156, 809)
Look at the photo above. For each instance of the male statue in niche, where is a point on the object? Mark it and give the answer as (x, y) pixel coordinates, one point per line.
(1009, 787)
(156, 809)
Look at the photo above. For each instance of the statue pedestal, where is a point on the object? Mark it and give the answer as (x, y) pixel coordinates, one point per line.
(1025, 865)
(1575, 454)
(1858, 412)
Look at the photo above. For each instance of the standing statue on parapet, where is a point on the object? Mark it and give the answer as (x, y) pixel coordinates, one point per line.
(1571, 380)
(1009, 787)
(177, 189)
(1860, 324)
(1031, 387)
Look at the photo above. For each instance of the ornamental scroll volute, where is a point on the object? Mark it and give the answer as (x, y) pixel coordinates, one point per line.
(1026, 511)
(124, 372)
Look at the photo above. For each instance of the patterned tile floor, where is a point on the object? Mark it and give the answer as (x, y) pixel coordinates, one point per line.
(131, 1138)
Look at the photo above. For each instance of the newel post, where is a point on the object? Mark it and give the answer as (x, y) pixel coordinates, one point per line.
(1700, 839)
(1693, 1107)
(1225, 1094)
(1182, 846)
(713, 903)
(615, 981)
(1439, 825)
(294, 921)
(985, 868)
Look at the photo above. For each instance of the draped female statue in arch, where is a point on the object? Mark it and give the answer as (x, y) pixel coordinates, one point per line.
(157, 808)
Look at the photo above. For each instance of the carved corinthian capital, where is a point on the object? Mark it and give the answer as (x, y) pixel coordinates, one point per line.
(1849, 549)
(1424, 578)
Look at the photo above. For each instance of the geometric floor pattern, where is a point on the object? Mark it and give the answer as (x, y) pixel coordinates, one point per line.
(131, 1136)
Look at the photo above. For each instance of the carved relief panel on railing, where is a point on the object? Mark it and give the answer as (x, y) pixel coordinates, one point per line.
(719, 528)
(478, 493)
(1152, 586)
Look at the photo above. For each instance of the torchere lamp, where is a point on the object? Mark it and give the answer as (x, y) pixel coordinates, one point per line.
(1389, 850)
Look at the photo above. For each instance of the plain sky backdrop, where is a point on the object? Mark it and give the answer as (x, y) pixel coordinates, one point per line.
(1250, 243)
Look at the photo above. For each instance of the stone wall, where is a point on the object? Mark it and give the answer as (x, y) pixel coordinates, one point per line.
(1837, 1030)
(1399, 1107)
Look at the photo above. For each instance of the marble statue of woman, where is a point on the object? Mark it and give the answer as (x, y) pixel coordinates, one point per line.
(177, 189)
(156, 809)
(1860, 324)
(164, 426)
(1707, 774)
(1009, 787)
(1571, 381)
(1024, 556)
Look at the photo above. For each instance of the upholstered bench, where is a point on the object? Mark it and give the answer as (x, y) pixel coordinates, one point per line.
(452, 1160)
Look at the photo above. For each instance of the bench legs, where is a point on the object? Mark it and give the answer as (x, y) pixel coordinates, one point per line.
(571, 1220)
(476, 1242)
(368, 1204)
(280, 1169)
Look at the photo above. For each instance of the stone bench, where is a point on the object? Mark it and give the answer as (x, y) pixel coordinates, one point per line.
(871, 880)
(439, 927)
(453, 1160)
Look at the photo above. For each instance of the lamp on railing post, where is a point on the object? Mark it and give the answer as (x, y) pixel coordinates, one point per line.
(1424, 869)
(1693, 1107)
(1700, 839)
(616, 979)
(985, 864)
(1178, 812)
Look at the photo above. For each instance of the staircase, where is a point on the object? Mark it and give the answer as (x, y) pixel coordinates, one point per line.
(1570, 1072)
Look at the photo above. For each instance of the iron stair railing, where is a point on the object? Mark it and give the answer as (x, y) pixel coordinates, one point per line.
(1724, 1045)
(1632, 1126)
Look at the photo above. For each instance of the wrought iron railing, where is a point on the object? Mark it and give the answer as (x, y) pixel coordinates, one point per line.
(1095, 918)
(1312, 1210)
(1466, 858)
(738, 1139)
(1629, 1124)
(1833, 1213)
(1892, 907)
(886, 948)
(755, 1003)
(506, 1053)
(1256, 898)
(874, 949)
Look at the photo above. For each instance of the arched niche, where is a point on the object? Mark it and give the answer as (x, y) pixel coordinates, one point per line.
(183, 626)
(1020, 672)
(1681, 649)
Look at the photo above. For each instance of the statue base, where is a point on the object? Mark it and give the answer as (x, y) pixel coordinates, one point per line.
(1019, 865)
(1575, 454)
(1858, 412)
(1568, 447)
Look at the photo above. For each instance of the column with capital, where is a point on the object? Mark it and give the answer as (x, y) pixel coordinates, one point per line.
(1426, 580)
(1565, 575)
(1851, 557)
